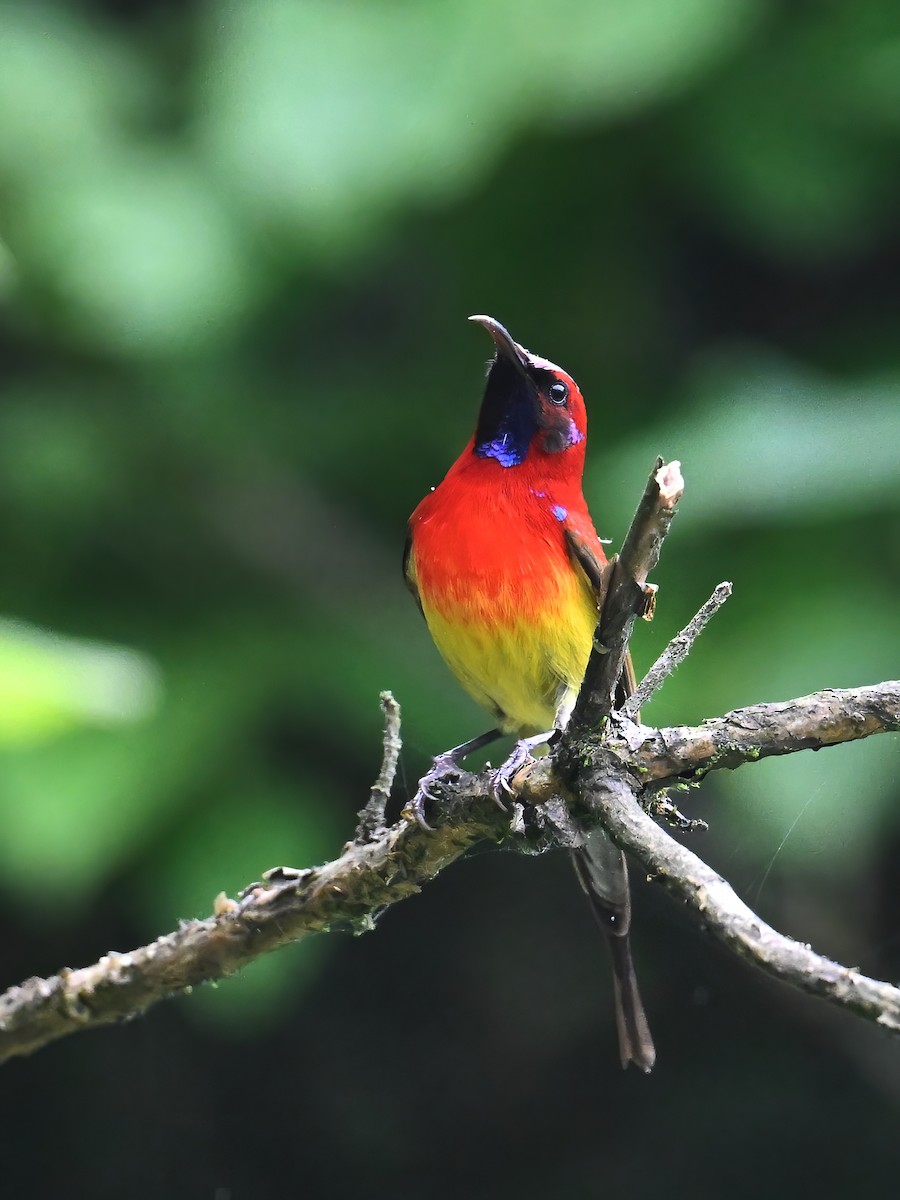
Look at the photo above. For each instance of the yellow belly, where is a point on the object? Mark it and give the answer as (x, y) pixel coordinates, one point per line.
(520, 668)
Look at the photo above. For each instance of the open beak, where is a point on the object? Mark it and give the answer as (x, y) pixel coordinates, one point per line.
(510, 350)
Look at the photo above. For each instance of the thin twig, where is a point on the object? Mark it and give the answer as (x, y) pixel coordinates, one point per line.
(627, 596)
(371, 815)
(675, 653)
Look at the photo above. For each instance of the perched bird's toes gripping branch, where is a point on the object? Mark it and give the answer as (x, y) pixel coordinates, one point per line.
(503, 780)
(444, 770)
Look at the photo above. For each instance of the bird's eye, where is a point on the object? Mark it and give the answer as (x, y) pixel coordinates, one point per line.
(558, 393)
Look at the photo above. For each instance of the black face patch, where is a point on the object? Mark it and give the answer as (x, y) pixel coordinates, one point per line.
(508, 419)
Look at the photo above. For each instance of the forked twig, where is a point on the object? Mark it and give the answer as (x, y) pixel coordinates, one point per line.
(675, 653)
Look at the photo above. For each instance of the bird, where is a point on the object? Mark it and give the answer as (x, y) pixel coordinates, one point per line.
(507, 568)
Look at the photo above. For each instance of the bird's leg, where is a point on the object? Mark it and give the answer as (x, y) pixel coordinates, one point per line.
(446, 767)
(501, 780)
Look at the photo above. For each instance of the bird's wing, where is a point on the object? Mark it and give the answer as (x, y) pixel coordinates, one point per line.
(409, 570)
(594, 565)
(597, 571)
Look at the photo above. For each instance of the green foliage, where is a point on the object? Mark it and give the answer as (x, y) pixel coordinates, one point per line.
(49, 685)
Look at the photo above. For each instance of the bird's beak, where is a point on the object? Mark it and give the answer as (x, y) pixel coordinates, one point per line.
(510, 350)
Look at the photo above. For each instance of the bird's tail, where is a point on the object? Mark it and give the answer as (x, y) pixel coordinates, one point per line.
(603, 874)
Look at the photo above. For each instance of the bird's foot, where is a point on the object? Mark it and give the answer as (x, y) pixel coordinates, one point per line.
(446, 768)
(501, 781)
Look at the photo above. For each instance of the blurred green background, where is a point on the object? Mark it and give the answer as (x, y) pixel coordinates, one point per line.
(238, 243)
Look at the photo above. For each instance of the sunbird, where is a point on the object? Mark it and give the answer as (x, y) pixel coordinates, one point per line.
(507, 568)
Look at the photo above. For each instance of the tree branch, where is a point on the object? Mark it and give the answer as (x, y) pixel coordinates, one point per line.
(369, 876)
(348, 893)
(371, 817)
(727, 917)
(627, 596)
(825, 718)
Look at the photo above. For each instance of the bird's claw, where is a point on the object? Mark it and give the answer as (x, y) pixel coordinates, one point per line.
(501, 789)
(444, 769)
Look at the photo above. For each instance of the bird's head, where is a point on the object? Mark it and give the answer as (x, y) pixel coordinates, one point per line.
(531, 408)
